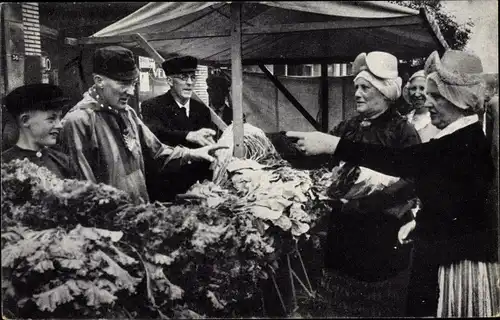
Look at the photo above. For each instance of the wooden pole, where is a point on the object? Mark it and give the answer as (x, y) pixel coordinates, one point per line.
(324, 97)
(237, 79)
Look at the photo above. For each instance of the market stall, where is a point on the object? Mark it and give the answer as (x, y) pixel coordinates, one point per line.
(78, 248)
(209, 252)
(257, 33)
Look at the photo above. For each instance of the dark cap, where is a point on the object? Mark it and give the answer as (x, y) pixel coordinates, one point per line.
(180, 65)
(37, 96)
(115, 62)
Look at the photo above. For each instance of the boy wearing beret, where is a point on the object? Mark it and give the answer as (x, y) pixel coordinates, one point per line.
(37, 109)
(106, 138)
(176, 119)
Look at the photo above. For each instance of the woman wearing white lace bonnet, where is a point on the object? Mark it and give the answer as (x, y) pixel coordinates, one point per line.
(367, 224)
(455, 270)
(419, 116)
(455, 91)
(380, 70)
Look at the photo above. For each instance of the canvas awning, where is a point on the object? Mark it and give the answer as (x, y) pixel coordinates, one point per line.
(278, 31)
(272, 32)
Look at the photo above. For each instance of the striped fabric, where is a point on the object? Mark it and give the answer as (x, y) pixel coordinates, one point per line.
(469, 289)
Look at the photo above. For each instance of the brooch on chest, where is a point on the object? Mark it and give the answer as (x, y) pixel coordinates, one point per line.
(129, 139)
(365, 123)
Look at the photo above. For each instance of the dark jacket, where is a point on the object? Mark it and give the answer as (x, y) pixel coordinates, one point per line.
(55, 161)
(170, 124)
(363, 242)
(452, 176)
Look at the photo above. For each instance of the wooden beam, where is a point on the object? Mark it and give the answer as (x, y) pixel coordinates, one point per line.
(71, 41)
(237, 79)
(413, 37)
(148, 48)
(331, 25)
(305, 60)
(262, 29)
(324, 97)
(290, 97)
(107, 40)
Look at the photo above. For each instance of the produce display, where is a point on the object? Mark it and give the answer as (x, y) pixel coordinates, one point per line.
(77, 249)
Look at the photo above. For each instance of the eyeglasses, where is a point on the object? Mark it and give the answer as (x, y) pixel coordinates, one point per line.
(185, 76)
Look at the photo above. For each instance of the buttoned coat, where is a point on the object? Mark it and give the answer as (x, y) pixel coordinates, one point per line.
(169, 123)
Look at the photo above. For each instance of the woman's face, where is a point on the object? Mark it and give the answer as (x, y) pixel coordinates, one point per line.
(369, 101)
(442, 111)
(416, 92)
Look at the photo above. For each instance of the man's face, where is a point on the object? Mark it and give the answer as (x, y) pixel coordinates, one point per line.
(116, 92)
(182, 86)
(369, 100)
(44, 126)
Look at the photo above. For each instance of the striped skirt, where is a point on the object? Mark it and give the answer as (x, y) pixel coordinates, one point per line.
(469, 289)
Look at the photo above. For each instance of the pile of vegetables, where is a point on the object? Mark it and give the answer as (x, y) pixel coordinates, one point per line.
(148, 260)
(73, 248)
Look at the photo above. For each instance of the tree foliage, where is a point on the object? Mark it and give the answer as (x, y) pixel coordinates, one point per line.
(456, 35)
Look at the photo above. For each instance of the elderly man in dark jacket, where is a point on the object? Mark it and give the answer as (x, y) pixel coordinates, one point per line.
(177, 119)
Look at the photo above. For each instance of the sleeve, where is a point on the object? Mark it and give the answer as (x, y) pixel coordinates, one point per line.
(76, 143)
(159, 127)
(339, 129)
(401, 190)
(205, 117)
(399, 162)
(397, 192)
(157, 151)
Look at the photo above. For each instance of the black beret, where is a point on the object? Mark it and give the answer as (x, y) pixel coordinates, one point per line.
(37, 96)
(178, 65)
(115, 62)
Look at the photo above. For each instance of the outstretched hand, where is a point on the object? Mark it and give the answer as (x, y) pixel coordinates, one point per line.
(314, 143)
(205, 153)
(202, 137)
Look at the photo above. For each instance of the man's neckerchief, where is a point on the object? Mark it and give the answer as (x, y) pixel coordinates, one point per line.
(125, 128)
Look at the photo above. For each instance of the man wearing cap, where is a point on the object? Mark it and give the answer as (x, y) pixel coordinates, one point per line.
(176, 119)
(106, 138)
(37, 109)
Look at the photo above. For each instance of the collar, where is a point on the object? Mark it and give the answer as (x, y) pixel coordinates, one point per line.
(457, 125)
(410, 115)
(382, 118)
(102, 104)
(30, 152)
(419, 120)
(185, 106)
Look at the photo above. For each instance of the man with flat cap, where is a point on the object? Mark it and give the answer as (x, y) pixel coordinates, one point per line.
(176, 119)
(37, 110)
(106, 138)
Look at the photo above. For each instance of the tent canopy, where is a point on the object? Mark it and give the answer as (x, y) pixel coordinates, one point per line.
(275, 32)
